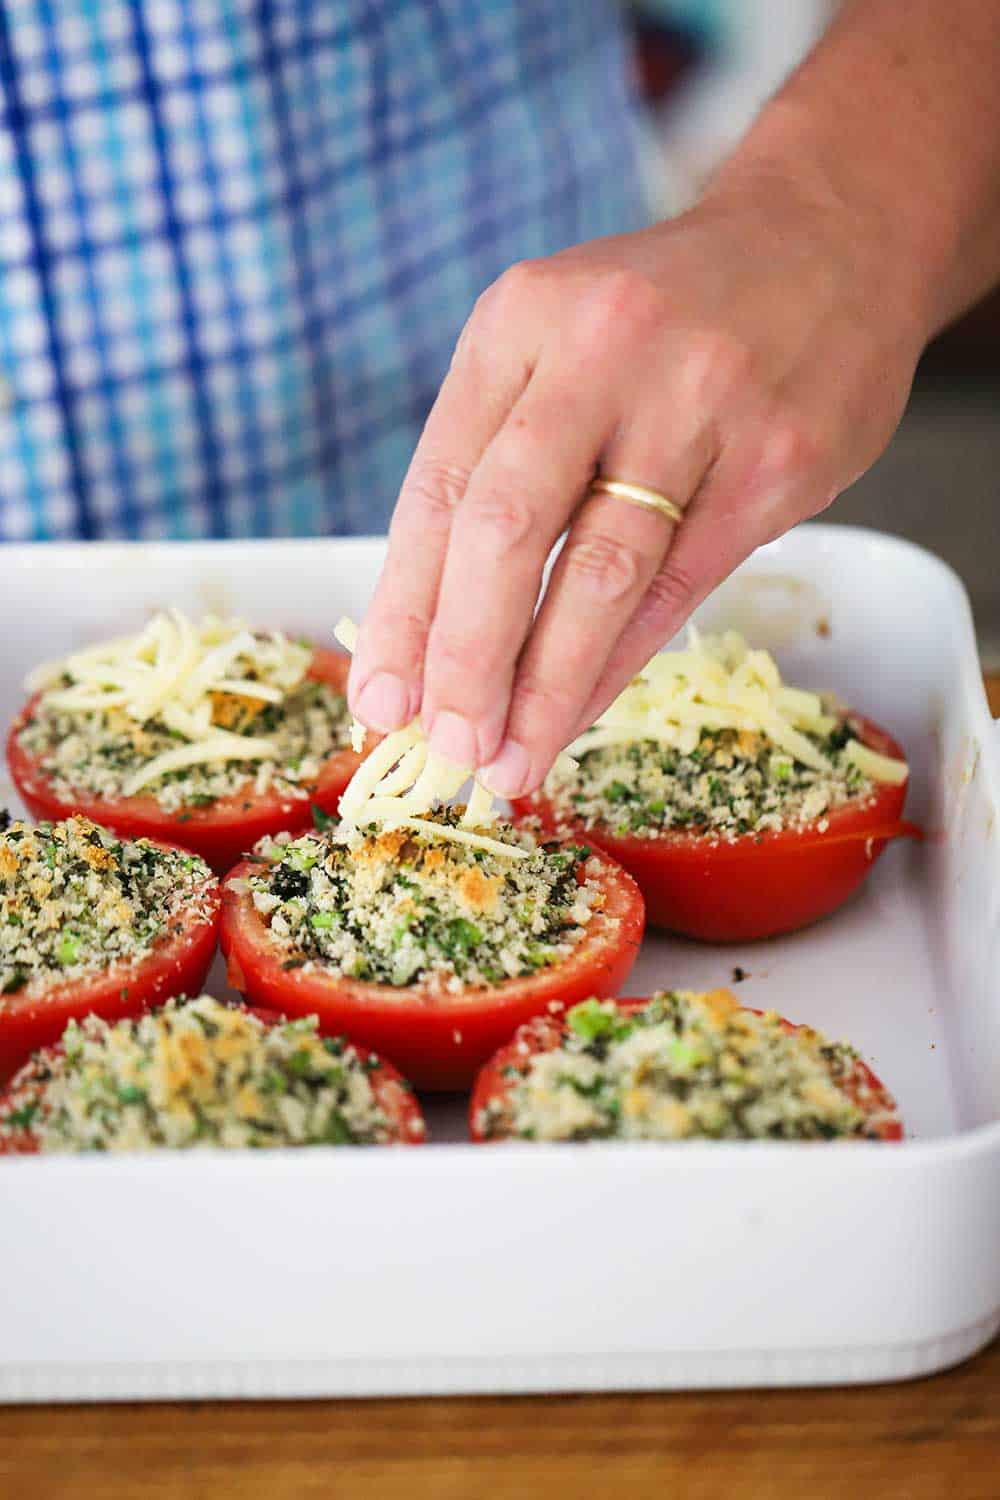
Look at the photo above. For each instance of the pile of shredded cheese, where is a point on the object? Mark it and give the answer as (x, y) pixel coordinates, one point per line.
(403, 778)
(174, 671)
(716, 683)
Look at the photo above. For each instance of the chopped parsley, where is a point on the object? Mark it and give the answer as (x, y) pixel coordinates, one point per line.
(197, 1073)
(731, 783)
(685, 1065)
(400, 907)
(75, 899)
(96, 753)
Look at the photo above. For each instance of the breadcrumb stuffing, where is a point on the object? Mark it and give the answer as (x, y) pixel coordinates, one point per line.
(686, 1065)
(95, 754)
(196, 1073)
(730, 784)
(400, 907)
(75, 899)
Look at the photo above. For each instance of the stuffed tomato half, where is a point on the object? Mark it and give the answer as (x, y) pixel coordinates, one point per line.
(207, 735)
(92, 924)
(430, 951)
(678, 1066)
(197, 1073)
(743, 808)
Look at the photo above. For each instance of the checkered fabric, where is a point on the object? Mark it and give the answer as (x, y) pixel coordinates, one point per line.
(238, 239)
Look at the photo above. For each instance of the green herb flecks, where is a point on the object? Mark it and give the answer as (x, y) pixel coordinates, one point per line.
(194, 1074)
(681, 1066)
(405, 908)
(729, 785)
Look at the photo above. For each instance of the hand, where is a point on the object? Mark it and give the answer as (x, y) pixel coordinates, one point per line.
(748, 360)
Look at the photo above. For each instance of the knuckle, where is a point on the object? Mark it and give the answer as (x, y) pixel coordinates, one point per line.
(437, 487)
(405, 632)
(713, 367)
(669, 595)
(504, 299)
(504, 515)
(519, 282)
(790, 448)
(606, 566)
(620, 301)
(541, 701)
(391, 639)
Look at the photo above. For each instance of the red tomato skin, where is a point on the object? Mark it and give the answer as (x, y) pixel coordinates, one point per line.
(544, 1034)
(438, 1043)
(755, 886)
(391, 1091)
(220, 834)
(176, 966)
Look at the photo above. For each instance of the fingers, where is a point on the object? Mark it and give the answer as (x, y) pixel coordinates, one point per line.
(464, 569)
(384, 687)
(534, 404)
(767, 480)
(612, 554)
(519, 501)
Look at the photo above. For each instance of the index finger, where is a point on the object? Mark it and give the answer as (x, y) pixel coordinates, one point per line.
(385, 683)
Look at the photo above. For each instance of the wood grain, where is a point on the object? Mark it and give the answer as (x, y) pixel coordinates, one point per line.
(924, 1441)
(936, 1439)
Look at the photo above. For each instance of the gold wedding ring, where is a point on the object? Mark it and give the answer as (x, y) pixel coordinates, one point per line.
(637, 494)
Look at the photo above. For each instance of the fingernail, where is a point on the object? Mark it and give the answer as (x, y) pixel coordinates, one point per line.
(384, 702)
(454, 738)
(508, 775)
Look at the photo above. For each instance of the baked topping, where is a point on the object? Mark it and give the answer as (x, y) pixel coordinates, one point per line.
(75, 900)
(709, 740)
(186, 713)
(400, 906)
(196, 1073)
(682, 1066)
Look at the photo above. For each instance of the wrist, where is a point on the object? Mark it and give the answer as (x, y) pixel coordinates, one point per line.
(901, 253)
(894, 121)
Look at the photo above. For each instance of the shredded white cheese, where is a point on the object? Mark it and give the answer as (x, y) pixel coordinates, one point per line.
(718, 682)
(875, 766)
(173, 671)
(403, 778)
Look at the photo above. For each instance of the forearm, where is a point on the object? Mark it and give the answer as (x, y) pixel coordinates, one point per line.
(895, 118)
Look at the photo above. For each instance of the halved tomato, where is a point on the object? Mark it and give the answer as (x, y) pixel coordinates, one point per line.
(221, 833)
(496, 1080)
(759, 884)
(437, 1039)
(176, 965)
(392, 1094)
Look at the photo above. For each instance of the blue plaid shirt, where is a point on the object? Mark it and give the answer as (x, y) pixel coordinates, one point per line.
(238, 239)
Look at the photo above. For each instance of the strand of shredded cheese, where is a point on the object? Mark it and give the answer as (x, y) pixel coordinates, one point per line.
(170, 670)
(404, 778)
(718, 682)
(219, 746)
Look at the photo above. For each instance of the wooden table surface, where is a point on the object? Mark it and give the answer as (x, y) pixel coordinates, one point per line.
(935, 1439)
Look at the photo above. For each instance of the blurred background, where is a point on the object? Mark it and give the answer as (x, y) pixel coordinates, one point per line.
(705, 66)
(238, 241)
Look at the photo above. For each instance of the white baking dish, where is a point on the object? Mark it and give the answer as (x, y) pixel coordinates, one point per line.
(515, 1268)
